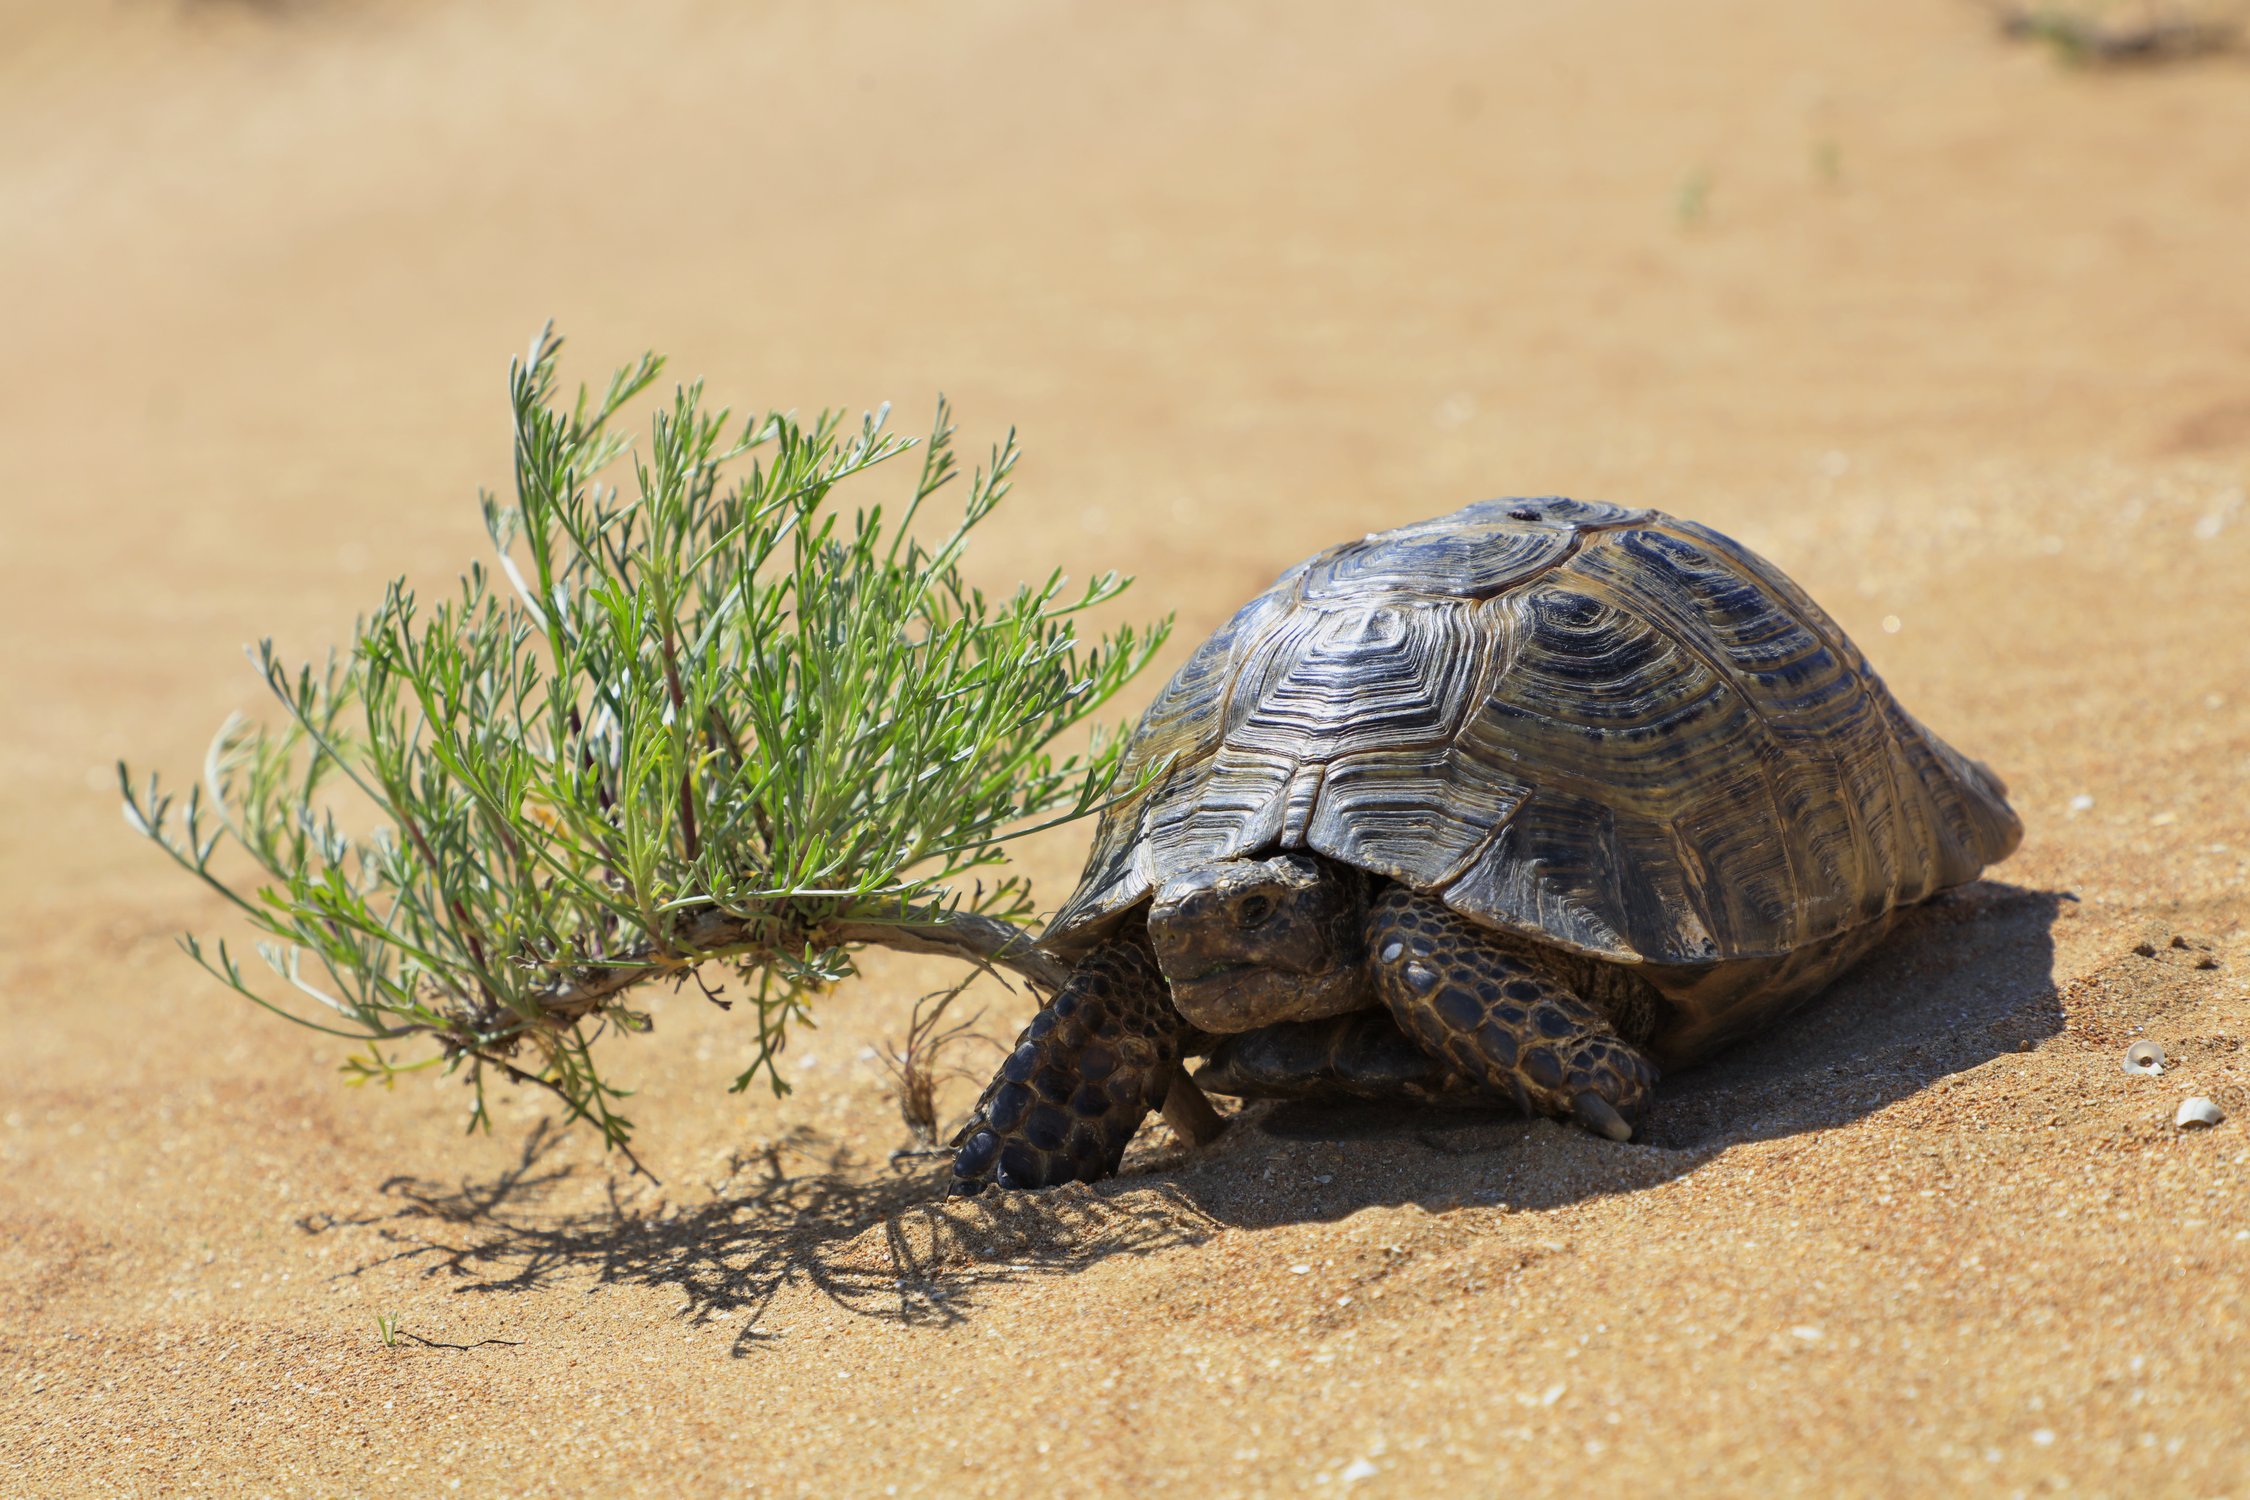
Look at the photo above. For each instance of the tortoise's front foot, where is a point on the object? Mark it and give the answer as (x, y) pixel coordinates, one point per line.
(1500, 1011)
(1085, 1072)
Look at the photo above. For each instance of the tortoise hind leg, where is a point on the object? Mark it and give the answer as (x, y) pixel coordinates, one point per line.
(1090, 1066)
(1360, 1055)
(1504, 1012)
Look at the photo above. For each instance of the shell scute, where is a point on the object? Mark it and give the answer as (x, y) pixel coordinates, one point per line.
(1436, 563)
(1331, 682)
(1415, 814)
(1241, 793)
(1543, 873)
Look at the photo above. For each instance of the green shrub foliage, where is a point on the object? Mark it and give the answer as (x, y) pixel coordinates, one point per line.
(704, 719)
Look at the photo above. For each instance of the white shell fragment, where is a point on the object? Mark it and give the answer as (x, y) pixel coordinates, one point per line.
(2198, 1111)
(2144, 1058)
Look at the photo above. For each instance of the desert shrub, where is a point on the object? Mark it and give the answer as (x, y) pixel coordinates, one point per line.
(705, 722)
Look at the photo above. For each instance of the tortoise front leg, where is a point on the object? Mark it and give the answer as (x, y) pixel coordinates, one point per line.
(1086, 1071)
(1502, 1011)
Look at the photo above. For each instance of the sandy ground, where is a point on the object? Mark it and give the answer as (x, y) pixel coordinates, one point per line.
(1959, 337)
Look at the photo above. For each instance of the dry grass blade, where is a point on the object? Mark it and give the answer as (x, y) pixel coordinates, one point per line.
(919, 1066)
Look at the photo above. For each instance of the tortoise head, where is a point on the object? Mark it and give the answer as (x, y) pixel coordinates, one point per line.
(1246, 942)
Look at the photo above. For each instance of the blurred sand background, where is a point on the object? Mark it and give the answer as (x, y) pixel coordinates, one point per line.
(1957, 335)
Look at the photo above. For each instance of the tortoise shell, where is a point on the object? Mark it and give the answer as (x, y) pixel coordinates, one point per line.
(1611, 730)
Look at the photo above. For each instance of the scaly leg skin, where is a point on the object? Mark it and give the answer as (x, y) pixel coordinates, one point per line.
(1358, 1056)
(1085, 1072)
(1500, 1010)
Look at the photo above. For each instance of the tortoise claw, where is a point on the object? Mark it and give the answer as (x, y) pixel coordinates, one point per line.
(1596, 1114)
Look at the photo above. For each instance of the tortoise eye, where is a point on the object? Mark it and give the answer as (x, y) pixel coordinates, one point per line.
(1253, 910)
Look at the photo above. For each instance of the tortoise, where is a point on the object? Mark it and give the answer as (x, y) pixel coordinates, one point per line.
(1525, 803)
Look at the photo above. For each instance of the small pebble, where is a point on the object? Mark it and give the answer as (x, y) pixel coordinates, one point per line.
(2144, 1059)
(2197, 1111)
